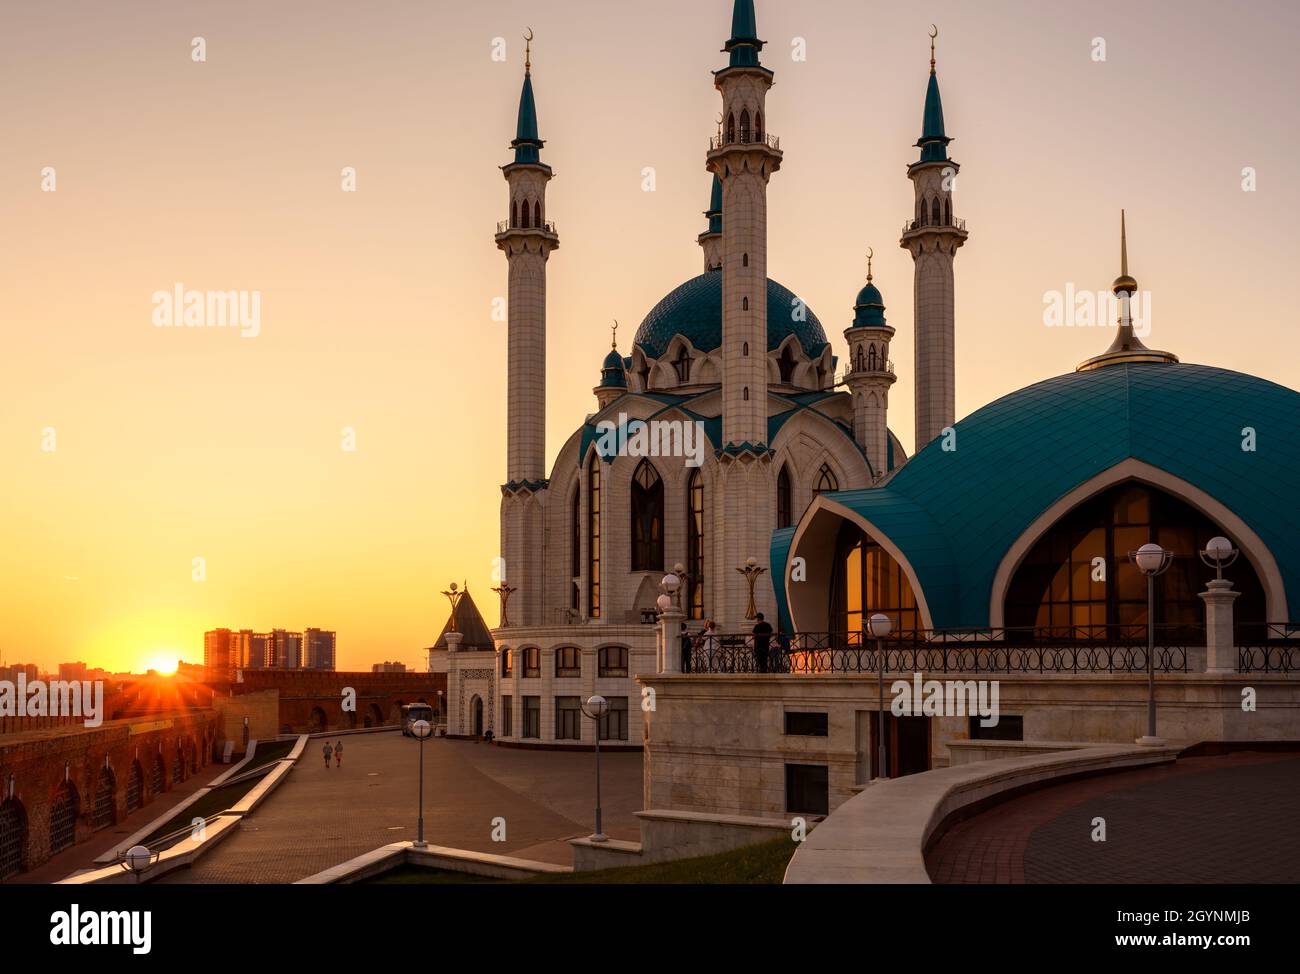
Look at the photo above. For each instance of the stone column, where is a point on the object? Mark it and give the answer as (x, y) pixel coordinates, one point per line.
(670, 627)
(1220, 648)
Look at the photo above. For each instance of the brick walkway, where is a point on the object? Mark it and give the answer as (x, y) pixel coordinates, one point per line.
(1228, 819)
(319, 818)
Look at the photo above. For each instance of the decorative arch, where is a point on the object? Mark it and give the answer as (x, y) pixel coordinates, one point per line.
(64, 810)
(13, 837)
(695, 537)
(826, 481)
(104, 812)
(134, 787)
(647, 518)
(594, 475)
(784, 498)
(1252, 547)
(537, 214)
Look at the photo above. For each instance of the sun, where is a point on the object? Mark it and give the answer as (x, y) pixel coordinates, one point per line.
(164, 661)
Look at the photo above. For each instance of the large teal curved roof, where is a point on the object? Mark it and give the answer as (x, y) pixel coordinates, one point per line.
(954, 514)
(694, 310)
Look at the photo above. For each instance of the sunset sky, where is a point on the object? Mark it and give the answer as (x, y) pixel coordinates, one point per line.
(175, 444)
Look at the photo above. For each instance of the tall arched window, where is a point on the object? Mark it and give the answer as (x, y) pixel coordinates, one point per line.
(13, 837)
(920, 212)
(785, 365)
(1057, 593)
(871, 359)
(593, 537)
(744, 125)
(523, 215)
(784, 499)
(731, 128)
(575, 534)
(826, 480)
(947, 213)
(935, 212)
(695, 544)
(647, 519)
(744, 304)
(537, 214)
(514, 213)
(63, 817)
(104, 813)
(758, 126)
(134, 788)
(682, 364)
(865, 579)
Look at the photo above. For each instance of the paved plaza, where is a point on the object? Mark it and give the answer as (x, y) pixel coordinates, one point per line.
(1227, 819)
(319, 818)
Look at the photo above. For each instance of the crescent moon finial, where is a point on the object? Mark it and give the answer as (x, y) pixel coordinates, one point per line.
(870, 254)
(934, 32)
(528, 51)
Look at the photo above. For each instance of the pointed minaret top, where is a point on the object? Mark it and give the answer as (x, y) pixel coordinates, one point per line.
(1127, 346)
(744, 44)
(527, 144)
(934, 140)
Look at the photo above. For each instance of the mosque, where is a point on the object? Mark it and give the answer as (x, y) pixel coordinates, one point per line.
(806, 506)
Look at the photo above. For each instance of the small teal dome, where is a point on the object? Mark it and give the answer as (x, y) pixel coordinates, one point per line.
(870, 308)
(612, 375)
(694, 311)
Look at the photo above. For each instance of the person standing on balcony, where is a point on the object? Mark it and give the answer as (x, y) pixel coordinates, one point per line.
(762, 636)
(685, 638)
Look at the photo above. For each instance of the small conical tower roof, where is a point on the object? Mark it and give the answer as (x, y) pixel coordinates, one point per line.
(469, 622)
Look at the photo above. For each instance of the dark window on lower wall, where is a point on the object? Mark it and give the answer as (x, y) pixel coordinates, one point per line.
(532, 716)
(1006, 729)
(807, 789)
(507, 717)
(613, 726)
(568, 718)
(806, 724)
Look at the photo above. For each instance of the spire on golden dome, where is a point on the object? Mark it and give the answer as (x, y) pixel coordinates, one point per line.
(870, 253)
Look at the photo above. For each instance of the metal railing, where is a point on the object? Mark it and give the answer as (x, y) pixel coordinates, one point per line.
(1067, 649)
(547, 226)
(886, 367)
(1268, 647)
(912, 225)
(767, 139)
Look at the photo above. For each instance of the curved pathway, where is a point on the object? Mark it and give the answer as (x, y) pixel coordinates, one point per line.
(1226, 819)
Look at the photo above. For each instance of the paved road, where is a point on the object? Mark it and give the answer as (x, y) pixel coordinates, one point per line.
(1228, 819)
(318, 818)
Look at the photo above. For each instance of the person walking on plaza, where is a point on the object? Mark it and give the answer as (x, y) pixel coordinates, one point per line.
(762, 635)
(329, 753)
(338, 754)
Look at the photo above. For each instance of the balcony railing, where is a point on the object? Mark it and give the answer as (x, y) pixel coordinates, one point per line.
(879, 367)
(1085, 649)
(769, 140)
(547, 227)
(1268, 647)
(912, 225)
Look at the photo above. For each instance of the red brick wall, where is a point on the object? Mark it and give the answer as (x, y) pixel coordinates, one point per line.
(309, 698)
(37, 762)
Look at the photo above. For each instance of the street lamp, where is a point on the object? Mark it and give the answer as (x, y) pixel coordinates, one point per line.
(1151, 560)
(597, 707)
(879, 626)
(137, 859)
(751, 571)
(421, 729)
(1219, 554)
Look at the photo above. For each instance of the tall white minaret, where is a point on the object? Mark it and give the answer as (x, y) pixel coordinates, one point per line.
(527, 240)
(870, 374)
(932, 237)
(743, 158)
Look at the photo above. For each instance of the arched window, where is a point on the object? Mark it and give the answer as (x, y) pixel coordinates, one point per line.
(744, 125)
(935, 211)
(13, 837)
(575, 535)
(612, 661)
(157, 777)
(865, 580)
(532, 662)
(758, 126)
(731, 128)
(784, 499)
(63, 817)
(593, 537)
(871, 359)
(682, 365)
(523, 215)
(745, 394)
(1057, 593)
(507, 662)
(134, 788)
(514, 213)
(826, 480)
(744, 260)
(744, 304)
(785, 365)
(104, 813)
(695, 544)
(568, 661)
(744, 349)
(537, 214)
(947, 213)
(647, 519)
(178, 764)
(920, 212)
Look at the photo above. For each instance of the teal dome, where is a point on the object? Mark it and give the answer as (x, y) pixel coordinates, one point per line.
(694, 311)
(953, 518)
(612, 375)
(870, 308)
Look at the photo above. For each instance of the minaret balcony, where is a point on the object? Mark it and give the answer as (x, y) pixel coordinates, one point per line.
(547, 228)
(914, 226)
(744, 138)
(880, 367)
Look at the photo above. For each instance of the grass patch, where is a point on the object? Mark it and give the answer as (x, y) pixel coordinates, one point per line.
(762, 864)
(219, 799)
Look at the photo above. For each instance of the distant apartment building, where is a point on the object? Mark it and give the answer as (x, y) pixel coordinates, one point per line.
(286, 649)
(12, 671)
(72, 671)
(387, 667)
(219, 657)
(318, 649)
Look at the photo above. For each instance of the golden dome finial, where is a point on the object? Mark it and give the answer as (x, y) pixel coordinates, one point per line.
(1124, 284)
(528, 52)
(613, 341)
(934, 32)
(870, 254)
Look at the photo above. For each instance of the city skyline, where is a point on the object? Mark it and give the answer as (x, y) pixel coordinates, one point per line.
(377, 305)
